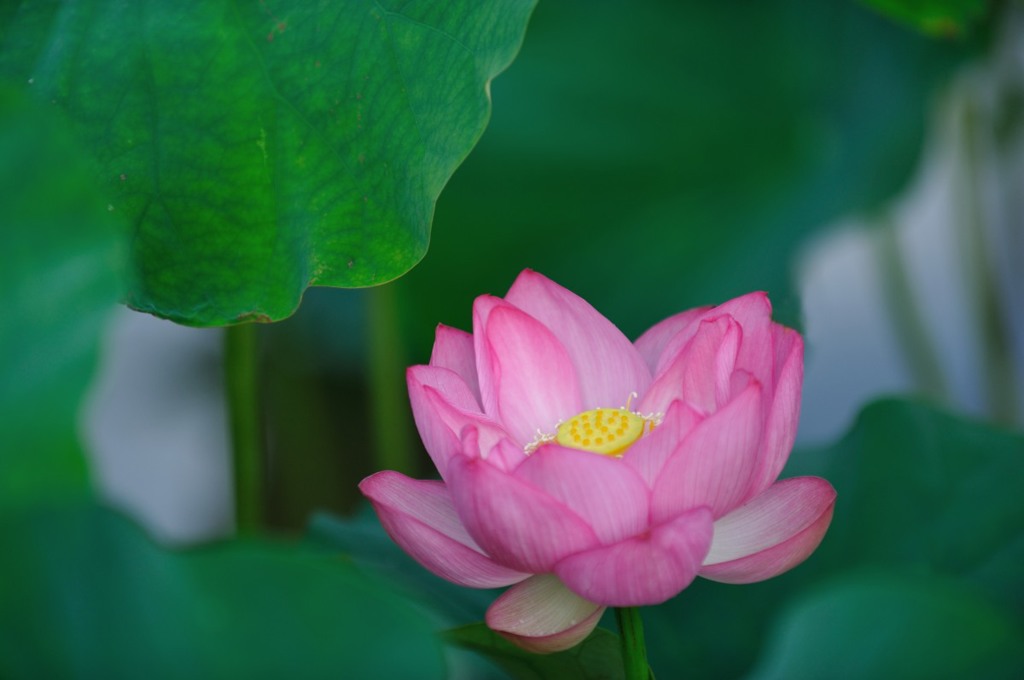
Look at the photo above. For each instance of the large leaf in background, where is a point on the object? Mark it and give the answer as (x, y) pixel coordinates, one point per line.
(362, 540)
(58, 282)
(929, 490)
(85, 594)
(884, 626)
(258, 148)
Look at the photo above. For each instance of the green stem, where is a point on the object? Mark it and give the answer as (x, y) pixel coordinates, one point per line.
(389, 404)
(634, 652)
(240, 359)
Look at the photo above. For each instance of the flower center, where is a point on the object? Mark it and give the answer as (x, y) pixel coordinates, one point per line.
(608, 431)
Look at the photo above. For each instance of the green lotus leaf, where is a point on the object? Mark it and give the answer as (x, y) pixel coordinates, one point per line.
(59, 280)
(86, 594)
(255, 149)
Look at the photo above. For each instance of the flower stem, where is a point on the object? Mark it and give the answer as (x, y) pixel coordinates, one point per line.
(634, 651)
(240, 358)
(389, 403)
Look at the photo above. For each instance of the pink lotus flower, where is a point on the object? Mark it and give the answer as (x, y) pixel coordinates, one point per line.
(590, 471)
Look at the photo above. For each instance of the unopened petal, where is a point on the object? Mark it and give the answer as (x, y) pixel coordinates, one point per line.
(420, 517)
(517, 524)
(608, 365)
(453, 349)
(645, 569)
(542, 616)
(701, 371)
(534, 380)
(772, 533)
(651, 345)
(609, 495)
(753, 313)
(714, 464)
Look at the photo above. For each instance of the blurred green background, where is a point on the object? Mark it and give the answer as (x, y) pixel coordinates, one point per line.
(650, 156)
